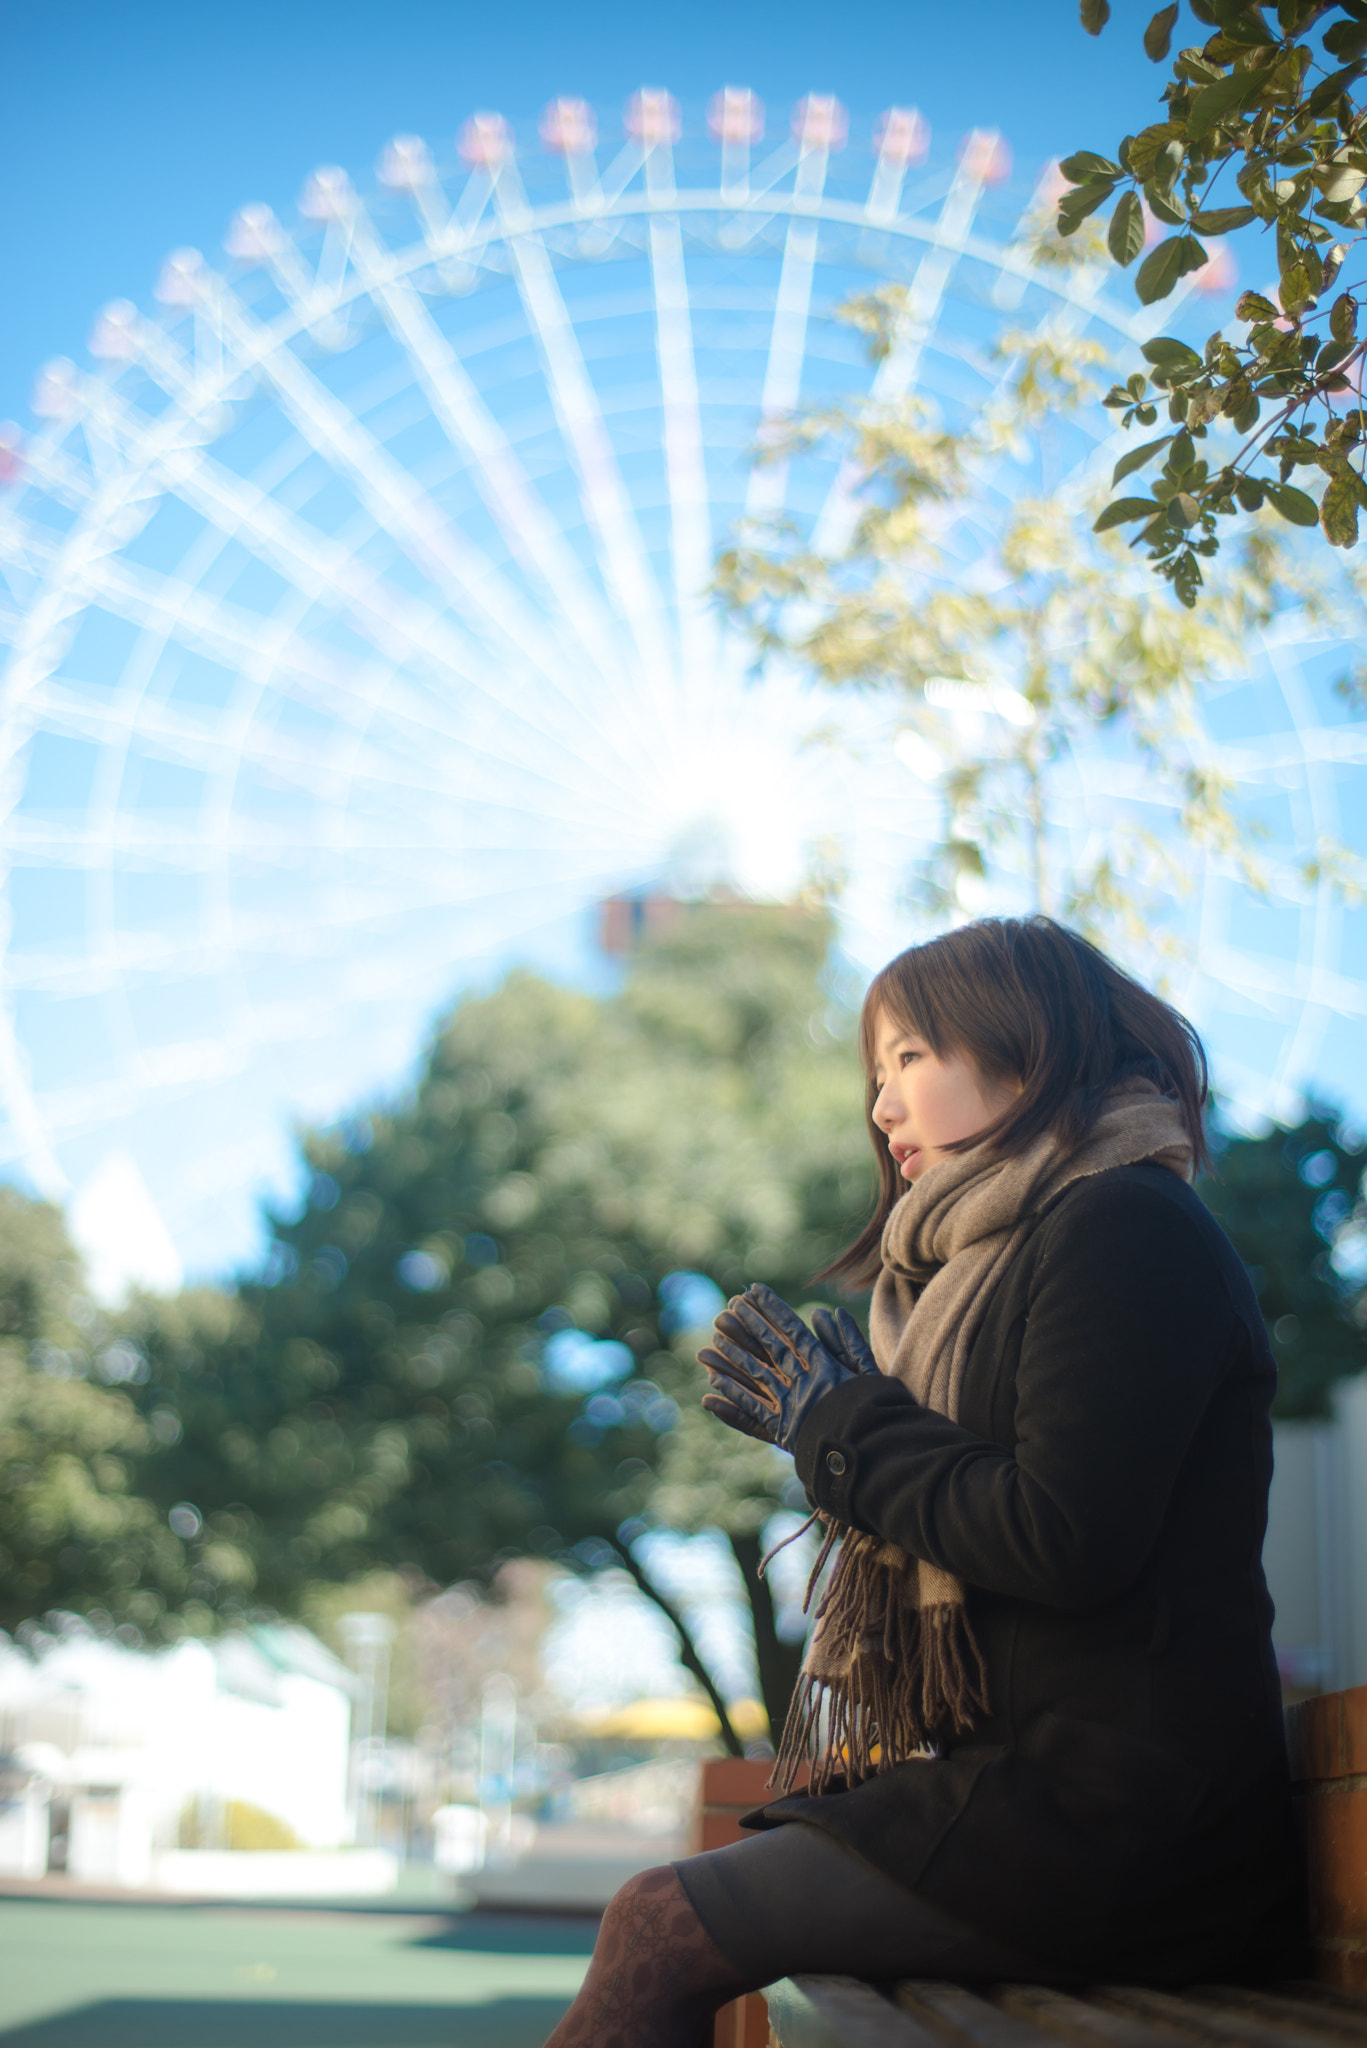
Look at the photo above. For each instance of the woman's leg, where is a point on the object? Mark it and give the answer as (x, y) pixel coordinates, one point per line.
(656, 1977)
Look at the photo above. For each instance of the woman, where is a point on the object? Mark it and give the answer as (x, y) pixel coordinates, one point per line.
(1039, 1711)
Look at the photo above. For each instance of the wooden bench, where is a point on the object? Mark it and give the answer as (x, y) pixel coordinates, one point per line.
(1327, 1738)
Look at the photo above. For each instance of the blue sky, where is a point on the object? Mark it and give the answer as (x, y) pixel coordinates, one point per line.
(130, 130)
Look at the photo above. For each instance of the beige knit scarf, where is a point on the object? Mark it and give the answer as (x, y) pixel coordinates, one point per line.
(893, 1665)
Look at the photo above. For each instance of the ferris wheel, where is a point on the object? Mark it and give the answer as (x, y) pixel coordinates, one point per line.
(354, 604)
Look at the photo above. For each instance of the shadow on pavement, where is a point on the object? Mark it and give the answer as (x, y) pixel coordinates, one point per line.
(515, 1934)
(261, 2023)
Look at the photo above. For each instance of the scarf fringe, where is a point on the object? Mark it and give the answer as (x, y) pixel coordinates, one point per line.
(897, 1675)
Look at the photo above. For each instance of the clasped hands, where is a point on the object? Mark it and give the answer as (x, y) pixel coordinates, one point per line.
(767, 1370)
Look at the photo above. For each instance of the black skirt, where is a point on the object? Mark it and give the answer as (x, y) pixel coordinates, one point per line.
(798, 1900)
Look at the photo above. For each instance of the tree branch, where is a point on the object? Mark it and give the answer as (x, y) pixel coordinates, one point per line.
(688, 1650)
(779, 1663)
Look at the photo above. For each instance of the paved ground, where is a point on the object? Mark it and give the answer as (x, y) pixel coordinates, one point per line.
(81, 1974)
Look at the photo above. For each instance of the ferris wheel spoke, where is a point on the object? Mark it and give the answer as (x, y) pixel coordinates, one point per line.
(1320, 934)
(285, 764)
(326, 929)
(621, 554)
(899, 370)
(684, 462)
(32, 1139)
(472, 430)
(768, 483)
(396, 502)
(903, 141)
(399, 626)
(242, 942)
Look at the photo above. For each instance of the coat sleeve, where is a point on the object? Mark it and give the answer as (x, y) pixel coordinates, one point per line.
(1130, 1329)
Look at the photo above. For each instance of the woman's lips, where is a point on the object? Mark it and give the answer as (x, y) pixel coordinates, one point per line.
(905, 1155)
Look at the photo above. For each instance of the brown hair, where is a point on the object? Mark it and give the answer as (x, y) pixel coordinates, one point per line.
(1026, 999)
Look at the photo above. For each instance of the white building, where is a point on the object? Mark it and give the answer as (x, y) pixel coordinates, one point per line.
(113, 1748)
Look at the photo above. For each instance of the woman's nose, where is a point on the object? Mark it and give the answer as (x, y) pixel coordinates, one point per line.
(882, 1114)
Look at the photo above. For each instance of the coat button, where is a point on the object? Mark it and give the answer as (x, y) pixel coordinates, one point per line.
(835, 1463)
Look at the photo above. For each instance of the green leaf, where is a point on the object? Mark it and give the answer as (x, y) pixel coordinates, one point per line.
(1252, 33)
(1195, 68)
(1246, 417)
(1253, 306)
(1095, 14)
(1346, 40)
(1188, 511)
(1125, 236)
(1339, 510)
(1075, 206)
(1122, 510)
(1338, 183)
(1172, 358)
(1204, 405)
(1222, 220)
(1293, 505)
(1136, 459)
(1215, 103)
(1332, 352)
(1167, 165)
(1186, 578)
(1249, 492)
(1332, 88)
(1343, 318)
(1296, 292)
(1314, 270)
(1084, 165)
(1160, 270)
(1165, 206)
(1158, 34)
(1146, 147)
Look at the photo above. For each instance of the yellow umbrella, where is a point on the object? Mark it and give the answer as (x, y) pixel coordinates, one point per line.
(682, 1717)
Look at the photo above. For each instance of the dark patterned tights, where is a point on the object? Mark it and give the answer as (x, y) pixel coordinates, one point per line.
(656, 1977)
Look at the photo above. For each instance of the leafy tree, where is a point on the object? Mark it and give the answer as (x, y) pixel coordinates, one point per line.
(1292, 1202)
(73, 1533)
(460, 1351)
(1269, 105)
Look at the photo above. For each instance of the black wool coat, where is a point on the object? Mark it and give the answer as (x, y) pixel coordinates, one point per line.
(1125, 1811)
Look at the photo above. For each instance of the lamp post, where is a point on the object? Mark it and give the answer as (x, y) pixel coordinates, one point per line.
(368, 1638)
(497, 1756)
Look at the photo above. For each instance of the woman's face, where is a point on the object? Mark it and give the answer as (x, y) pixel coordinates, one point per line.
(926, 1100)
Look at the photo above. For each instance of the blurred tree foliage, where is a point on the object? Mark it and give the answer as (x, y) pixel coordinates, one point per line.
(1047, 645)
(73, 1532)
(1293, 1204)
(464, 1348)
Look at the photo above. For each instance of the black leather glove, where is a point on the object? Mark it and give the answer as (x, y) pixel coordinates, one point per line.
(768, 1370)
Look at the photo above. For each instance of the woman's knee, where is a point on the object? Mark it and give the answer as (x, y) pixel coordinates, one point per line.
(645, 1898)
(650, 1922)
